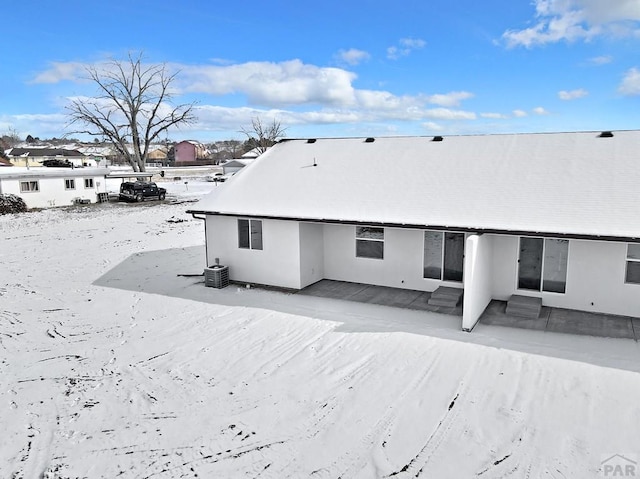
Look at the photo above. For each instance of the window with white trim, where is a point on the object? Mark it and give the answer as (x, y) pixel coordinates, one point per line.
(632, 275)
(29, 186)
(88, 183)
(369, 242)
(70, 184)
(249, 234)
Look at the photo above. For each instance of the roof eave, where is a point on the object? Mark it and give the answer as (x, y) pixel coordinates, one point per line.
(468, 229)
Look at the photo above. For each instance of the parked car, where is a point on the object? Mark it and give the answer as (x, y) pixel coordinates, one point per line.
(140, 191)
(218, 177)
(57, 163)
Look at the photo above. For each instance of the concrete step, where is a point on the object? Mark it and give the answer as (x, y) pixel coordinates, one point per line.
(447, 303)
(524, 306)
(446, 296)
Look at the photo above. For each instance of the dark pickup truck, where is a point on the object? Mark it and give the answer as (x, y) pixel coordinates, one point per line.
(140, 191)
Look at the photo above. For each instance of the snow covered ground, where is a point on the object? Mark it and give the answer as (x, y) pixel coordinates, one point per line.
(114, 364)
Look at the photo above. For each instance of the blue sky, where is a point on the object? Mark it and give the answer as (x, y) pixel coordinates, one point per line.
(338, 68)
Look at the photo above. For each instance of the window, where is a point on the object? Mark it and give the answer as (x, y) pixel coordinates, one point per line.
(27, 186)
(369, 242)
(542, 264)
(443, 256)
(88, 182)
(250, 234)
(70, 184)
(633, 263)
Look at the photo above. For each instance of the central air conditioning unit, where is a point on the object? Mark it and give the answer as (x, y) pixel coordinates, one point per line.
(217, 276)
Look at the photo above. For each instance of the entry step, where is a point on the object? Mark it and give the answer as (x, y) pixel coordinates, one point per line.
(446, 296)
(524, 306)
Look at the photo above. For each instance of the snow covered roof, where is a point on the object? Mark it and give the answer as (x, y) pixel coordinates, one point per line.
(575, 184)
(238, 162)
(254, 153)
(18, 172)
(39, 151)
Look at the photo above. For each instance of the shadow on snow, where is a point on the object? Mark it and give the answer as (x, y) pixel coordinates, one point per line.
(160, 272)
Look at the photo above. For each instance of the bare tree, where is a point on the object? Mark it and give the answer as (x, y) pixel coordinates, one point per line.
(133, 106)
(11, 138)
(261, 136)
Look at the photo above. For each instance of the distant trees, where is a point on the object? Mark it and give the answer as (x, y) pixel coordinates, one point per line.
(133, 106)
(261, 136)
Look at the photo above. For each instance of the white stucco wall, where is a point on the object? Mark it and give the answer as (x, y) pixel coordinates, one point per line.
(311, 253)
(52, 191)
(478, 278)
(595, 277)
(402, 266)
(295, 255)
(277, 264)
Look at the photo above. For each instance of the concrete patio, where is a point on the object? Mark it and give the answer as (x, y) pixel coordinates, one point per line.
(551, 319)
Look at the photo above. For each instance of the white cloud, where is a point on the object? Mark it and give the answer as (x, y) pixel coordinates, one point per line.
(38, 125)
(447, 114)
(519, 113)
(573, 20)
(540, 111)
(413, 43)
(450, 99)
(292, 91)
(271, 84)
(352, 56)
(630, 85)
(60, 71)
(393, 53)
(432, 126)
(406, 46)
(494, 116)
(601, 60)
(572, 94)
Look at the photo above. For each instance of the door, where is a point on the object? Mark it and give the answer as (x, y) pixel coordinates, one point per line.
(453, 256)
(530, 263)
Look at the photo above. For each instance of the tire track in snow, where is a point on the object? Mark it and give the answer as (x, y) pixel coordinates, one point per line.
(417, 464)
(382, 427)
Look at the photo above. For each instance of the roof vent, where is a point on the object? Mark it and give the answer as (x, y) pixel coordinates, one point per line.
(437, 138)
(605, 134)
(311, 140)
(369, 140)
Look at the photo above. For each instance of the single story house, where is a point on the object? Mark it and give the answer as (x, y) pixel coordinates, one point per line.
(36, 156)
(551, 216)
(47, 187)
(230, 167)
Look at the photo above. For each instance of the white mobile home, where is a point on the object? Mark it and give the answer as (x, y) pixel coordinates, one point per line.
(47, 187)
(548, 216)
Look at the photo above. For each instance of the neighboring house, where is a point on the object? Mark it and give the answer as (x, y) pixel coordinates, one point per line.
(47, 187)
(189, 152)
(96, 152)
(551, 216)
(157, 154)
(230, 167)
(36, 156)
(4, 162)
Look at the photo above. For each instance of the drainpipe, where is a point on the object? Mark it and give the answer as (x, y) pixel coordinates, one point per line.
(206, 250)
